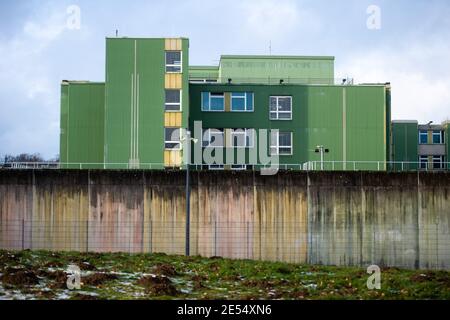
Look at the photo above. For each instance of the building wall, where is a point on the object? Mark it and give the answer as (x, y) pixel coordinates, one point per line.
(203, 72)
(82, 124)
(322, 115)
(135, 93)
(405, 144)
(296, 69)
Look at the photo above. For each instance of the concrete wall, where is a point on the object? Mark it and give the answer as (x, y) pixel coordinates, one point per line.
(342, 218)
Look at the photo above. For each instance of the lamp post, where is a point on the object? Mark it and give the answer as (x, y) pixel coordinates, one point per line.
(321, 150)
(188, 139)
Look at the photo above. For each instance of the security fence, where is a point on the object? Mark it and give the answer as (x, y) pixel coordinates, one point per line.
(395, 166)
(313, 242)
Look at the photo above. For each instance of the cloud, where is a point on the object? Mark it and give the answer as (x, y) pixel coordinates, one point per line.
(419, 75)
(276, 19)
(28, 99)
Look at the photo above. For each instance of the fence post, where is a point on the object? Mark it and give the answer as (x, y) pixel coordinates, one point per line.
(248, 240)
(215, 238)
(23, 234)
(87, 235)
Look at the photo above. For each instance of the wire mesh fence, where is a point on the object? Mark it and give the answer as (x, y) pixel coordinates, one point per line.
(410, 246)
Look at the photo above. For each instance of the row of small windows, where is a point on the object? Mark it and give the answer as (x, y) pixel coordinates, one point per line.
(437, 162)
(215, 101)
(280, 107)
(437, 137)
(280, 142)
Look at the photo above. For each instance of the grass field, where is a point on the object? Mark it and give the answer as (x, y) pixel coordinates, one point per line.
(41, 275)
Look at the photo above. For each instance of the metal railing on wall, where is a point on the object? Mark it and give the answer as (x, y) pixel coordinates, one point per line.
(271, 80)
(306, 166)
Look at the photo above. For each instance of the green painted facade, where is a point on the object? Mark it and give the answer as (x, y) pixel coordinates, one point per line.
(405, 145)
(121, 123)
(135, 94)
(348, 120)
(203, 73)
(270, 69)
(82, 123)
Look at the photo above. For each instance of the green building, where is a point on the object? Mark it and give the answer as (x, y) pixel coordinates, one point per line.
(293, 105)
(420, 146)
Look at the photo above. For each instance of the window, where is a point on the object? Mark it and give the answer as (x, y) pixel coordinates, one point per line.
(242, 138)
(213, 101)
(423, 137)
(173, 61)
(438, 162)
(438, 137)
(216, 167)
(238, 167)
(213, 138)
(241, 101)
(280, 108)
(173, 100)
(423, 162)
(280, 143)
(172, 137)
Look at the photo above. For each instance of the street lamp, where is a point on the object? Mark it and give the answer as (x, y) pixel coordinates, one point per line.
(187, 138)
(321, 150)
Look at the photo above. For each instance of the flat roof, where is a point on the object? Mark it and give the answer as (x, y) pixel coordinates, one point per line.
(404, 121)
(146, 38)
(276, 57)
(204, 67)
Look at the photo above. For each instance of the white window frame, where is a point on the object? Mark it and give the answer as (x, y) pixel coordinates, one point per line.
(172, 141)
(174, 65)
(423, 132)
(277, 112)
(441, 162)
(245, 102)
(209, 102)
(180, 104)
(277, 144)
(250, 133)
(421, 158)
(238, 167)
(208, 135)
(441, 136)
(216, 167)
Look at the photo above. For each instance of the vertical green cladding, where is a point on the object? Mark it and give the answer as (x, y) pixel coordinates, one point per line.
(366, 130)
(447, 142)
(134, 101)
(405, 144)
(82, 124)
(135, 93)
(63, 156)
(350, 121)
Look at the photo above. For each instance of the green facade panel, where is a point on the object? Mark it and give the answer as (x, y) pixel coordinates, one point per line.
(203, 72)
(405, 144)
(350, 121)
(64, 110)
(135, 93)
(270, 69)
(82, 123)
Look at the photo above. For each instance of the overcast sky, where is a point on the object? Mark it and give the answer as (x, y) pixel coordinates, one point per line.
(411, 49)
